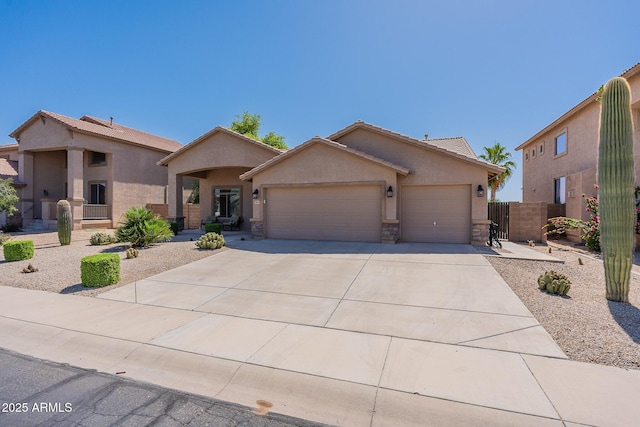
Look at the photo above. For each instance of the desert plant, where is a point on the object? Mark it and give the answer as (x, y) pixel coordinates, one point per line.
(211, 241)
(142, 228)
(100, 270)
(175, 227)
(18, 250)
(213, 228)
(132, 253)
(554, 283)
(65, 224)
(615, 178)
(100, 238)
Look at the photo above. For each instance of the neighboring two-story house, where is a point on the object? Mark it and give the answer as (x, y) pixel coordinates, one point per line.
(560, 161)
(101, 167)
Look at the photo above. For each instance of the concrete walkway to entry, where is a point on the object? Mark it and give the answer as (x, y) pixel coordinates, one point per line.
(341, 333)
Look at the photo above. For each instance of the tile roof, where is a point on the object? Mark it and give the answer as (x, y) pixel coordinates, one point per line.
(8, 169)
(212, 132)
(590, 100)
(99, 127)
(457, 147)
(317, 140)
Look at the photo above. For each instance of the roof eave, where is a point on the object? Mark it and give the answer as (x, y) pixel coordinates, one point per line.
(577, 108)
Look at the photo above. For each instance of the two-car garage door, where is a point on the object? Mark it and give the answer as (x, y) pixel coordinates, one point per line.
(346, 212)
(440, 214)
(436, 213)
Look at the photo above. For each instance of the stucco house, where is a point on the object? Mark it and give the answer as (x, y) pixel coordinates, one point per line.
(559, 162)
(101, 167)
(9, 169)
(217, 158)
(362, 183)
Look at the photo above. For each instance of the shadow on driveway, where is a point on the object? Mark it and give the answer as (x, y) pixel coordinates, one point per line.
(280, 246)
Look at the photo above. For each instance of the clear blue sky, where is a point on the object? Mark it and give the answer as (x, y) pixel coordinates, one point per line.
(488, 70)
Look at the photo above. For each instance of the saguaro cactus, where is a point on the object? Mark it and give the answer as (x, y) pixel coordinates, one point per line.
(615, 177)
(64, 222)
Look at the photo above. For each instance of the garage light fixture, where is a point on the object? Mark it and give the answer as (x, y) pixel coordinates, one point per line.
(480, 191)
(255, 193)
(390, 191)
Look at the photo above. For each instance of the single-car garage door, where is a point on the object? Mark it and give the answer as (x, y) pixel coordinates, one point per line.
(347, 213)
(439, 214)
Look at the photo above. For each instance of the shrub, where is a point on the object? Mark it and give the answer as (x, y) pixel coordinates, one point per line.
(132, 253)
(4, 237)
(554, 283)
(589, 230)
(18, 250)
(101, 238)
(174, 226)
(29, 269)
(11, 227)
(211, 241)
(142, 228)
(100, 270)
(213, 228)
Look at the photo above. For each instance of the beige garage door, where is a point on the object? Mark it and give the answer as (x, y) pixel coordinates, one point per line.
(347, 213)
(439, 214)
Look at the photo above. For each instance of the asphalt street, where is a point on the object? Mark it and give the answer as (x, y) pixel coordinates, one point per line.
(36, 392)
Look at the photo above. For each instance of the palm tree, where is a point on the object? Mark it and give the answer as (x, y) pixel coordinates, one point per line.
(498, 155)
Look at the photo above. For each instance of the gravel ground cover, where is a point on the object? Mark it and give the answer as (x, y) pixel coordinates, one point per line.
(585, 325)
(59, 266)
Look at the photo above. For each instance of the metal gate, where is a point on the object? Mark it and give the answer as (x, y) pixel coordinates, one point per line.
(498, 212)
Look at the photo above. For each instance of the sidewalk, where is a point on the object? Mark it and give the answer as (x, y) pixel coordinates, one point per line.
(359, 375)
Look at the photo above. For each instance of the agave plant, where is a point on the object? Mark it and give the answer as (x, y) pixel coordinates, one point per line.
(142, 228)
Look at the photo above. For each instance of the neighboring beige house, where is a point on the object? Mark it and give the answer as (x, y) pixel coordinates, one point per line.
(9, 169)
(217, 159)
(363, 183)
(101, 167)
(559, 162)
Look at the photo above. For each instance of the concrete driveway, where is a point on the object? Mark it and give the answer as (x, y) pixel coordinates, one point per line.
(340, 333)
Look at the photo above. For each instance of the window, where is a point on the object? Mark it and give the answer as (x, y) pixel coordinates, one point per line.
(559, 193)
(98, 193)
(526, 156)
(97, 159)
(227, 202)
(541, 148)
(533, 153)
(561, 143)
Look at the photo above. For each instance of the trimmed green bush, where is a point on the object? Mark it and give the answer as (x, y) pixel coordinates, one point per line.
(100, 270)
(175, 227)
(213, 228)
(18, 250)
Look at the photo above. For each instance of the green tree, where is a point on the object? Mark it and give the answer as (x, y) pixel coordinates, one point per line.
(498, 155)
(8, 197)
(248, 124)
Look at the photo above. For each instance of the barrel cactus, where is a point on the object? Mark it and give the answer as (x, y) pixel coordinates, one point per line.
(210, 241)
(615, 178)
(65, 222)
(554, 283)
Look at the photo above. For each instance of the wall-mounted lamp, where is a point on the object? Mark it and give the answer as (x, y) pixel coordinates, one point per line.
(390, 191)
(480, 191)
(46, 193)
(255, 193)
